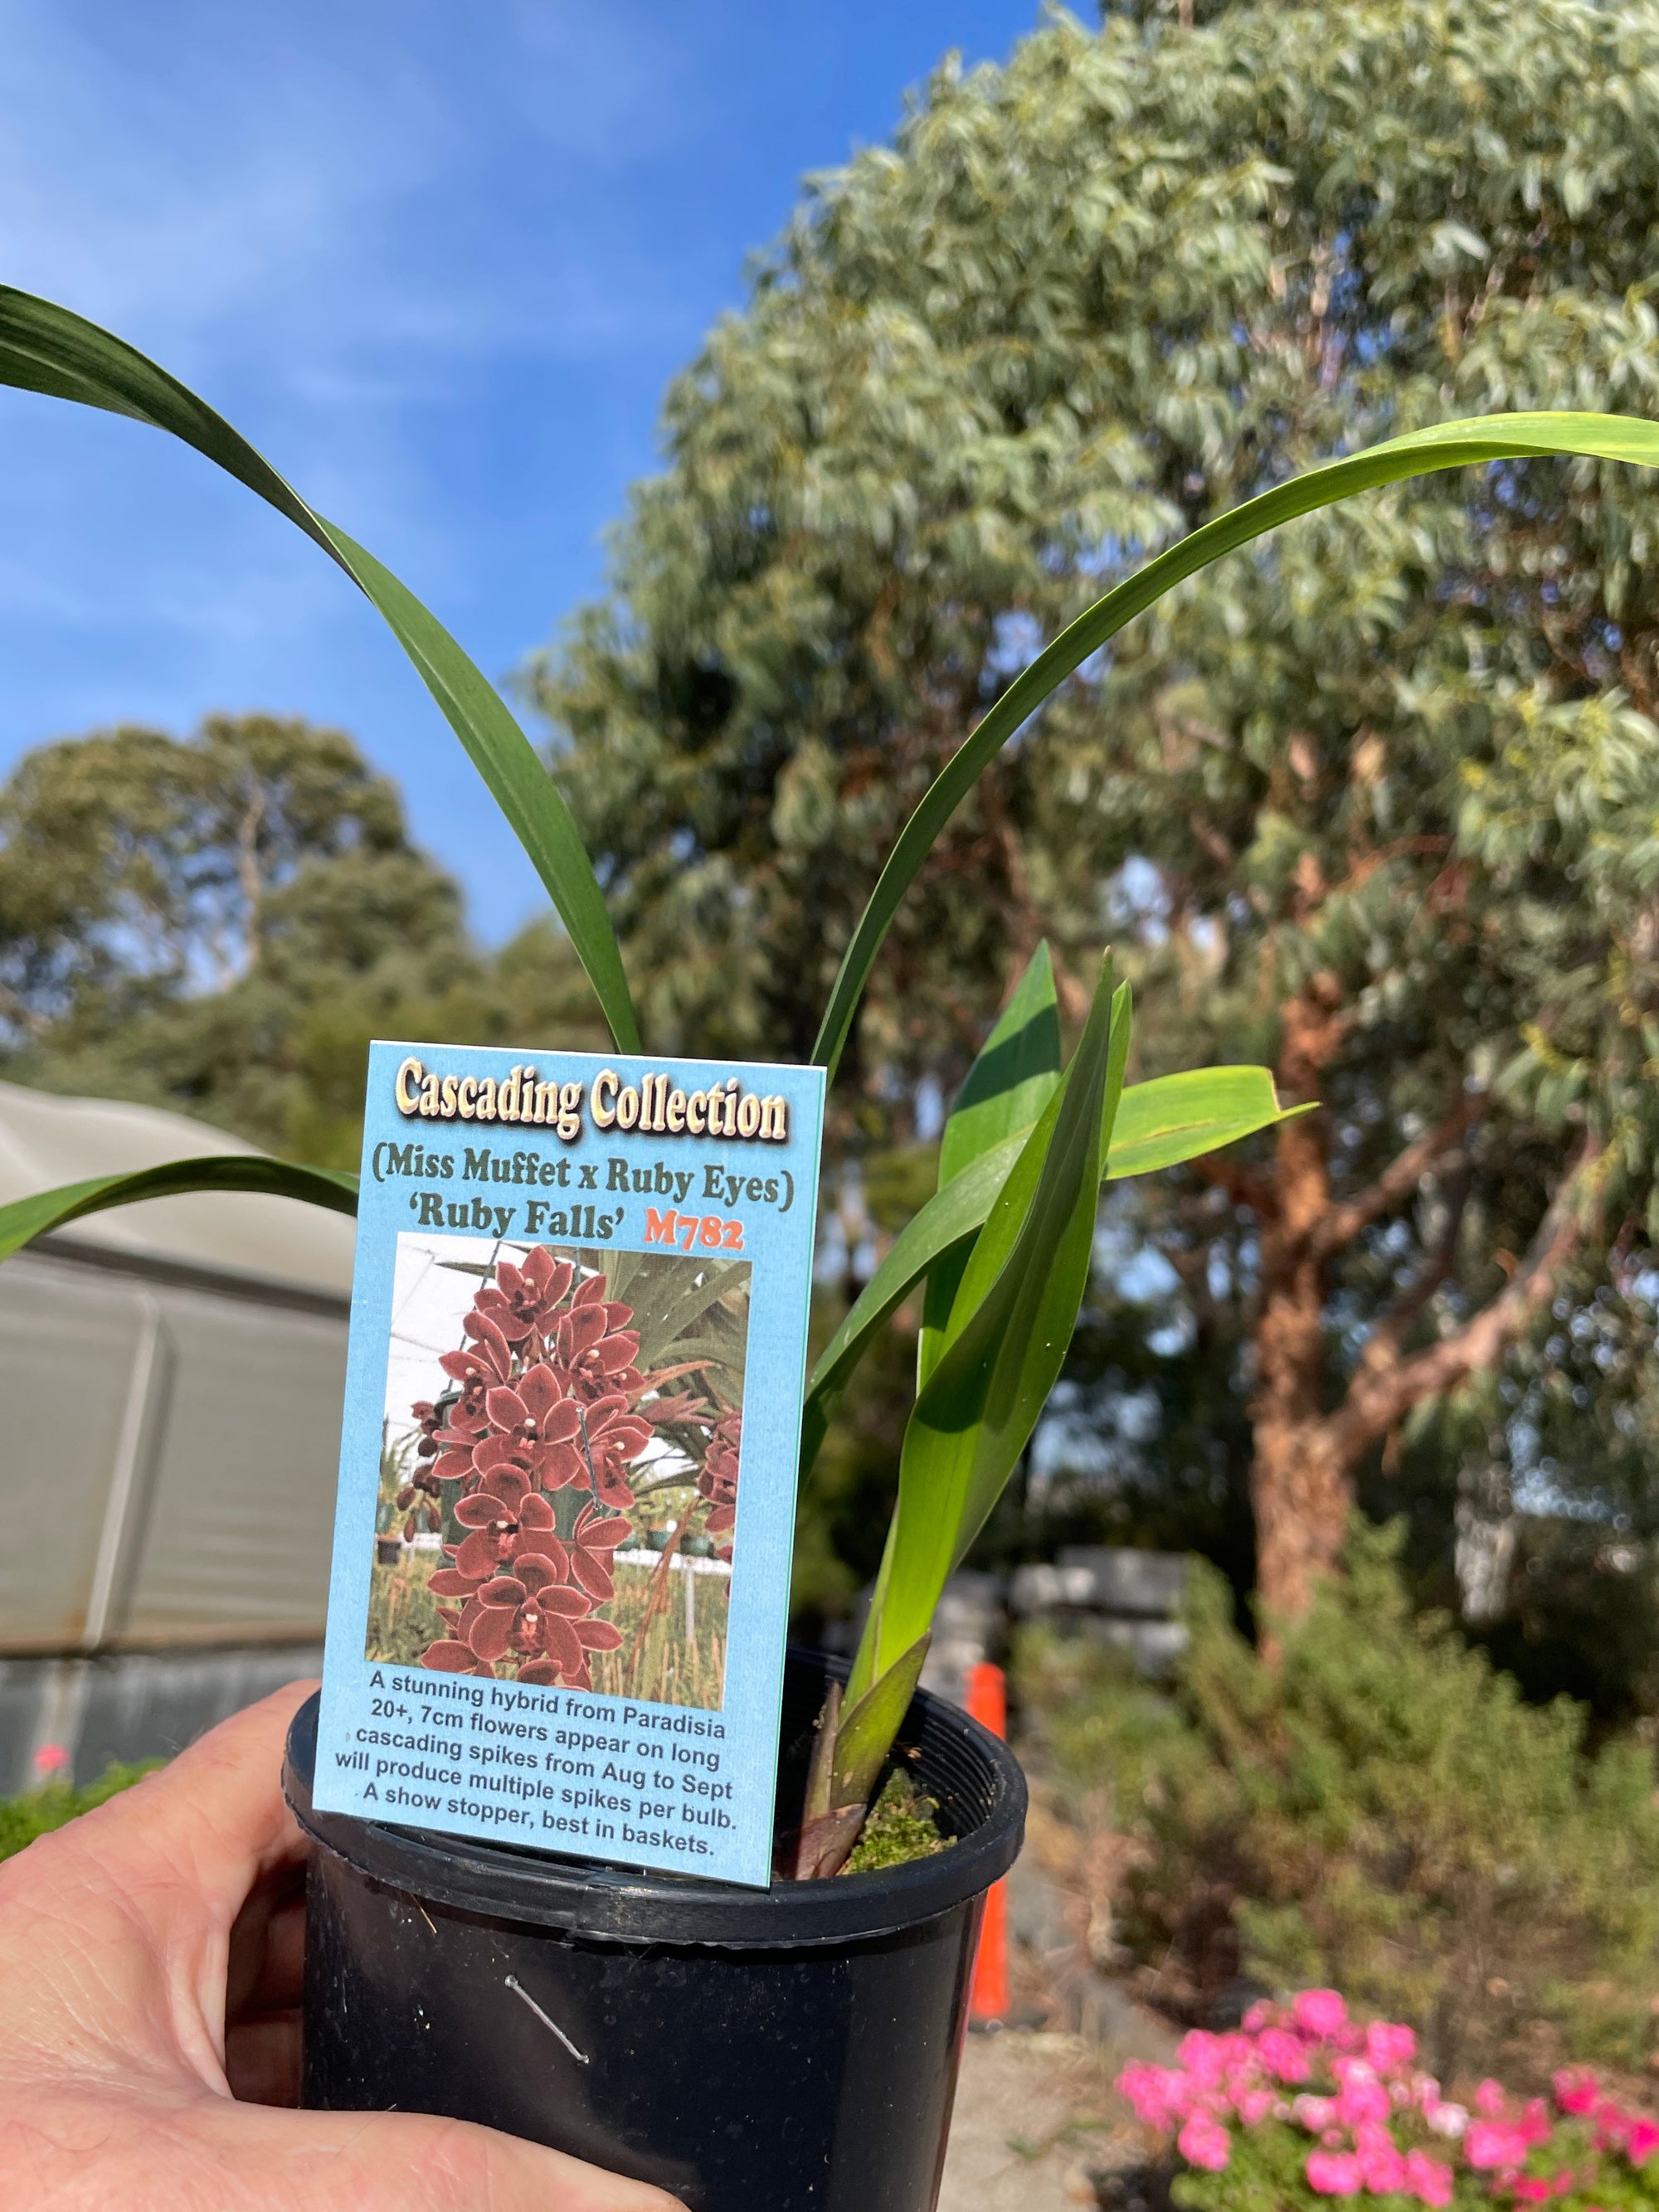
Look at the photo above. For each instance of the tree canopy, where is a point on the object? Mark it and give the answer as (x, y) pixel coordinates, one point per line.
(1374, 802)
(220, 924)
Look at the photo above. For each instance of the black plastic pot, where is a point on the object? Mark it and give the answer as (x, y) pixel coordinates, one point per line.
(789, 2050)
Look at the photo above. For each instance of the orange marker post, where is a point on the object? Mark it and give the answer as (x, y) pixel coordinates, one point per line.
(988, 1999)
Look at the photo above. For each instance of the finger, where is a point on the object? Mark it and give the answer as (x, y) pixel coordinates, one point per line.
(404, 2162)
(88, 2146)
(134, 1901)
(204, 1828)
(215, 1818)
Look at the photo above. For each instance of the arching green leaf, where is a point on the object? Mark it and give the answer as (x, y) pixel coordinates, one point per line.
(43, 348)
(1448, 446)
(1159, 1124)
(27, 1218)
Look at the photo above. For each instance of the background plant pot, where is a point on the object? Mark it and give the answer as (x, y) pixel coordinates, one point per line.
(788, 2049)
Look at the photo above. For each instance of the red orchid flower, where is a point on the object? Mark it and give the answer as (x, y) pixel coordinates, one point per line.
(521, 1301)
(498, 1519)
(530, 1611)
(540, 1421)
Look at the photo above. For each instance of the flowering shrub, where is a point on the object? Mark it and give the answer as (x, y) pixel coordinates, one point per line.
(1380, 1811)
(537, 1449)
(1302, 2103)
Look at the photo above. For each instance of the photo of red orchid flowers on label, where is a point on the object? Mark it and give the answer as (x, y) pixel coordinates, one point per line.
(558, 1495)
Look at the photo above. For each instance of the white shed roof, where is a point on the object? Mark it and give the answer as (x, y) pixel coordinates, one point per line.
(46, 1140)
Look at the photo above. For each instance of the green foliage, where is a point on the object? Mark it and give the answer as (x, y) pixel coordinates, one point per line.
(1084, 304)
(1001, 1345)
(27, 1218)
(1376, 1810)
(221, 924)
(1158, 1124)
(39, 1811)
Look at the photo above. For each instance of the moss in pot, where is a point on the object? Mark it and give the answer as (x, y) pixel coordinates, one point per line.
(796, 2046)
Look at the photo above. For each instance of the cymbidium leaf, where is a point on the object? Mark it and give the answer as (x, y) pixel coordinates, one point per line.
(27, 1218)
(43, 348)
(1006, 1335)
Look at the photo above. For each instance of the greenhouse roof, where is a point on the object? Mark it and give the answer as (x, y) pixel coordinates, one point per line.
(236, 1236)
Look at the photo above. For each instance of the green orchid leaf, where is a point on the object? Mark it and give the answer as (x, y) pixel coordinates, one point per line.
(1448, 446)
(46, 348)
(1159, 1124)
(27, 1218)
(1007, 1087)
(1180, 1117)
(1014, 1078)
(865, 1733)
(951, 1219)
(662, 1328)
(1006, 1336)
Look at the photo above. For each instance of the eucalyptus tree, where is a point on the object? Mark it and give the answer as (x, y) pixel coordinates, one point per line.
(1373, 802)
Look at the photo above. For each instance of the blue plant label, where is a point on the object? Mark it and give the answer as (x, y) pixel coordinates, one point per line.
(573, 1413)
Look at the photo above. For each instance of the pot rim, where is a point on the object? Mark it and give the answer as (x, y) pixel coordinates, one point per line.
(957, 1760)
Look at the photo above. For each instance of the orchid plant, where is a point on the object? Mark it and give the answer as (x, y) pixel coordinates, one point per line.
(1302, 2103)
(1000, 1253)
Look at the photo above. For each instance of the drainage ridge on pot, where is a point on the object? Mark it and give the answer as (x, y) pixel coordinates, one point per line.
(795, 2047)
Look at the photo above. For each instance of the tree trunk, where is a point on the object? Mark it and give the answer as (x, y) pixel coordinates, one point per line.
(1302, 1474)
(1300, 1490)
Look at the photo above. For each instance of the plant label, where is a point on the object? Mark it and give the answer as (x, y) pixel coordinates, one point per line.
(573, 1413)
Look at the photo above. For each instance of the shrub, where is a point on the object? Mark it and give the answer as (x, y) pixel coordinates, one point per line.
(39, 1811)
(1303, 2103)
(1376, 1808)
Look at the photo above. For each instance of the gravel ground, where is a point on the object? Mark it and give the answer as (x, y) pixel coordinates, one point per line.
(1037, 2126)
(1034, 2119)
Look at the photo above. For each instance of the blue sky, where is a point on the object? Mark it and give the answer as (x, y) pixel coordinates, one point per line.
(438, 262)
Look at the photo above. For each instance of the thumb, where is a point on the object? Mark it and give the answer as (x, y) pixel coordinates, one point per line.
(399, 2162)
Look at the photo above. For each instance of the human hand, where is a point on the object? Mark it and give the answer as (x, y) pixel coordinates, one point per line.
(150, 1958)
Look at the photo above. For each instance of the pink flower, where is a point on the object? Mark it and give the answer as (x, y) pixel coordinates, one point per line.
(1314, 2113)
(1388, 2047)
(1253, 2105)
(1535, 2122)
(1260, 2016)
(1319, 2012)
(1448, 2120)
(1611, 2126)
(1285, 2056)
(1204, 2056)
(1575, 2088)
(1529, 2189)
(1334, 2174)
(1152, 2092)
(1361, 2099)
(1494, 2147)
(1489, 2098)
(1204, 2142)
(1382, 2168)
(1643, 2142)
(1426, 2179)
